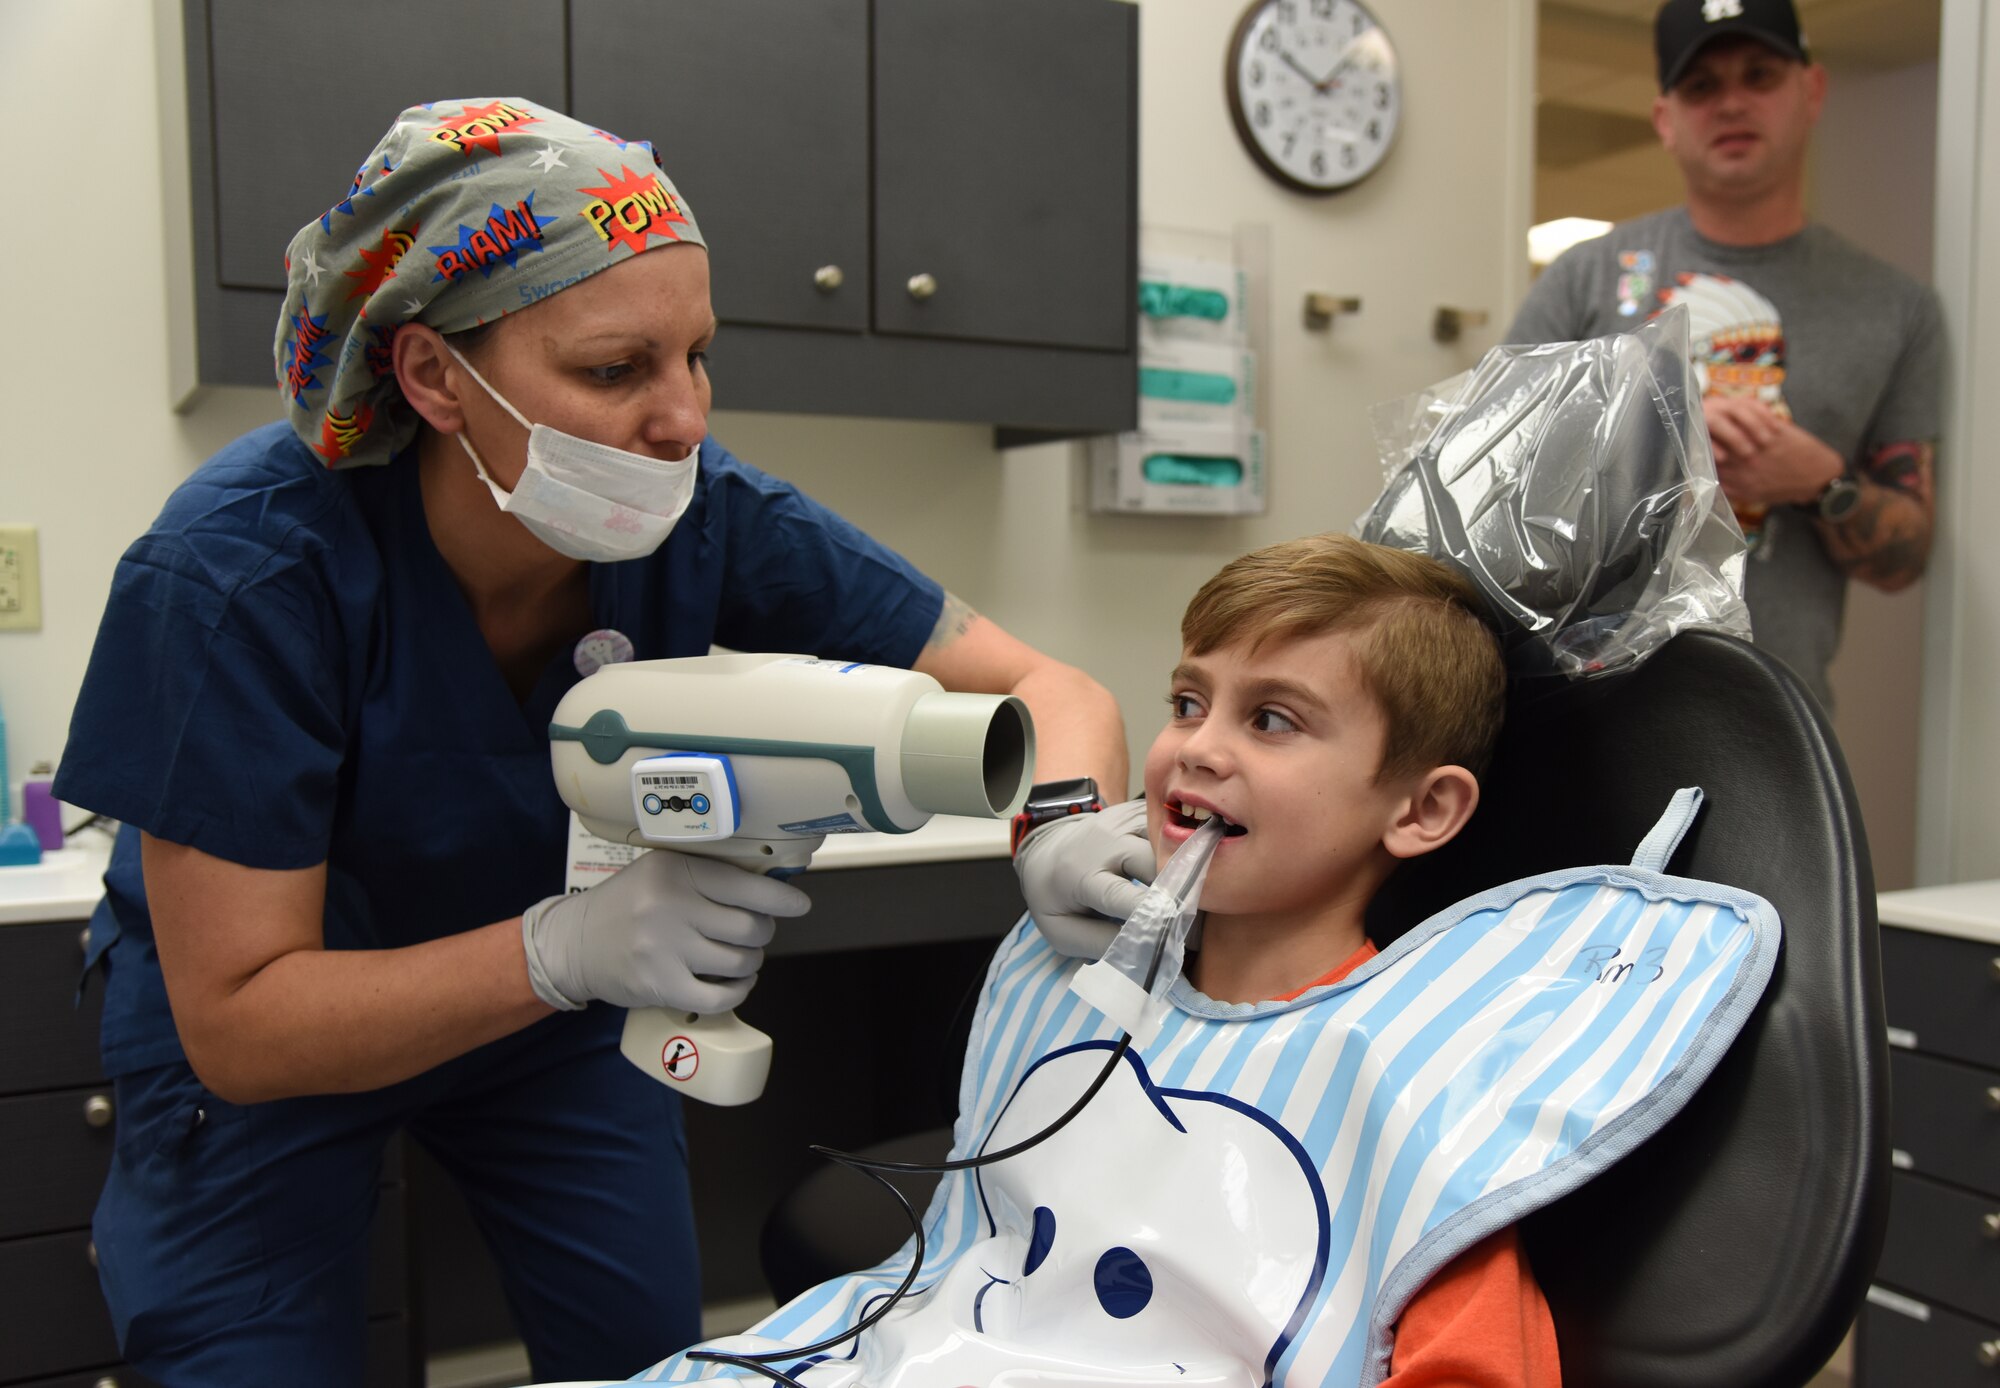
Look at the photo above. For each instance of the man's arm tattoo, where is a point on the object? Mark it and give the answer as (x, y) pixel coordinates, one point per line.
(953, 621)
(1886, 539)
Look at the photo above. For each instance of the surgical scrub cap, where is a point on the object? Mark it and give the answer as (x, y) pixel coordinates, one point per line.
(465, 211)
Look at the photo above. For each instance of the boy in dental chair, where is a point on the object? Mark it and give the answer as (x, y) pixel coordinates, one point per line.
(1311, 1174)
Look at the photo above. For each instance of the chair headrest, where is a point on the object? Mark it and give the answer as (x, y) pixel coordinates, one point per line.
(1573, 483)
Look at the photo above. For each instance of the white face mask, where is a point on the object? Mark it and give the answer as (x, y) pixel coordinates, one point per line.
(588, 500)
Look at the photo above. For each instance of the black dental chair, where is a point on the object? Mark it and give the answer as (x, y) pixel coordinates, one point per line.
(1732, 1250)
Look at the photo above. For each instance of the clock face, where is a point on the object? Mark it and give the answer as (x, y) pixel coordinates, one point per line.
(1314, 91)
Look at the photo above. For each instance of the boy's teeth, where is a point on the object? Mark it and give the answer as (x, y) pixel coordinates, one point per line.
(1198, 812)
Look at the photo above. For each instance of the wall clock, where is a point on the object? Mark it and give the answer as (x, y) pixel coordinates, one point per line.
(1314, 91)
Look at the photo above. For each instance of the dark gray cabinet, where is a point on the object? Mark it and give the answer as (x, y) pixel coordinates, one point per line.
(1933, 1315)
(917, 208)
(57, 1122)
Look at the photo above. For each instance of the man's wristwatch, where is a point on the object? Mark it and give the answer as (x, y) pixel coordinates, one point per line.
(1049, 800)
(1839, 498)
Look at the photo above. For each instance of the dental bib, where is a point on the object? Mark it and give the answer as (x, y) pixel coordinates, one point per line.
(1260, 1190)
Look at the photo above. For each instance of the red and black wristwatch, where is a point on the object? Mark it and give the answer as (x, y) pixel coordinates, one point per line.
(1051, 800)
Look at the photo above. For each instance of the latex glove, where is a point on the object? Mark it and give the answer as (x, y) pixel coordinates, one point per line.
(1076, 876)
(667, 930)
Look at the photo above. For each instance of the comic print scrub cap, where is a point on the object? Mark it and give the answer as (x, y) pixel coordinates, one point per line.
(465, 211)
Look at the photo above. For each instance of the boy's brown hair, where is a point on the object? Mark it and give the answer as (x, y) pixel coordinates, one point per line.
(1425, 651)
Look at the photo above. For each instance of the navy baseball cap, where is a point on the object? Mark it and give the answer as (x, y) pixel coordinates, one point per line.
(1683, 28)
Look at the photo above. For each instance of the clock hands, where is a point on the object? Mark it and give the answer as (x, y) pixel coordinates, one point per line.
(1293, 63)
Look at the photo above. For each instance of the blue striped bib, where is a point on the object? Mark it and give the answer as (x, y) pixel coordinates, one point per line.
(1256, 1196)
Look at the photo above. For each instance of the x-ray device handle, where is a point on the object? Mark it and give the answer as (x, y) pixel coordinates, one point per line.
(690, 803)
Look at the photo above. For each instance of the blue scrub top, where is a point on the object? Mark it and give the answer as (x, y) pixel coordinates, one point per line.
(287, 674)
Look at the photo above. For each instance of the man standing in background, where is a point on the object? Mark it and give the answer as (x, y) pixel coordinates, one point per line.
(1819, 364)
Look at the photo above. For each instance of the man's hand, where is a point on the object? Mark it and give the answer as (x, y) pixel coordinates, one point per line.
(1076, 875)
(1762, 458)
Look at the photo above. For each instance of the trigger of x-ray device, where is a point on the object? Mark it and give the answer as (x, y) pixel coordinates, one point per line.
(1129, 984)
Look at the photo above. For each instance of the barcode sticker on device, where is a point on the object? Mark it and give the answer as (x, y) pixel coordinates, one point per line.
(669, 782)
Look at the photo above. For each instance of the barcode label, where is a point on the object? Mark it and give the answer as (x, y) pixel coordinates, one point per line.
(669, 782)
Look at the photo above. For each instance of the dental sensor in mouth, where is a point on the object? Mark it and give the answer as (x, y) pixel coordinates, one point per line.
(1129, 984)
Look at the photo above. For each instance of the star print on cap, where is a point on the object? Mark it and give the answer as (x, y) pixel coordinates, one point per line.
(464, 212)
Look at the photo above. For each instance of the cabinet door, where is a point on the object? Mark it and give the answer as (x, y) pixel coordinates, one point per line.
(759, 109)
(1005, 147)
(303, 92)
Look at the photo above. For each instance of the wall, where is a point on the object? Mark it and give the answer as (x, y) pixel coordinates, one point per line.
(1441, 223)
(1958, 790)
(1874, 182)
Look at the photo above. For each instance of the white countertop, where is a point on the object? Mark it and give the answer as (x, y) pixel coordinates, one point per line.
(67, 884)
(947, 838)
(64, 886)
(1969, 910)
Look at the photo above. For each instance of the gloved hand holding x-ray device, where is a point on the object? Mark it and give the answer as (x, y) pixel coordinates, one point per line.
(746, 763)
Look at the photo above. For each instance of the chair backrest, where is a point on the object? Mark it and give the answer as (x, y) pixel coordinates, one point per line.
(1734, 1248)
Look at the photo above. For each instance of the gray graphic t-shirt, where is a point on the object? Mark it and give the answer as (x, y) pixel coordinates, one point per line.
(1847, 346)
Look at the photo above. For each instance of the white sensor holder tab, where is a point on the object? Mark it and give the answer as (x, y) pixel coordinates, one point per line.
(684, 798)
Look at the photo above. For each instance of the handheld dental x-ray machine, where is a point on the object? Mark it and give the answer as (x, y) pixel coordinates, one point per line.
(756, 759)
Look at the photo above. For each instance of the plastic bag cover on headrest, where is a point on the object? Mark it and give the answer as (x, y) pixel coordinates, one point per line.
(1574, 484)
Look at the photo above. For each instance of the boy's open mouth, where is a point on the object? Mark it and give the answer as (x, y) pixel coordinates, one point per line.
(1194, 816)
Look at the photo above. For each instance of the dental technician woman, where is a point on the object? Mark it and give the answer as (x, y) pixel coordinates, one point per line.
(319, 700)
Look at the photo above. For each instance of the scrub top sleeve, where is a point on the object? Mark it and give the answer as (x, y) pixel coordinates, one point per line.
(798, 577)
(210, 717)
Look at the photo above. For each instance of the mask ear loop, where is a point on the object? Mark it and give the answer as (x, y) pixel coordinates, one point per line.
(500, 494)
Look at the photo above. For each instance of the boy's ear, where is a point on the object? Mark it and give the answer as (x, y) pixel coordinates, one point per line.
(1442, 800)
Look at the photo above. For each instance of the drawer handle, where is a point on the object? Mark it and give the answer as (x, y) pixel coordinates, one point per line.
(1989, 1225)
(1993, 1097)
(828, 278)
(83, 941)
(1989, 1353)
(925, 285)
(106, 1382)
(1994, 963)
(97, 1110)
(90, 1252)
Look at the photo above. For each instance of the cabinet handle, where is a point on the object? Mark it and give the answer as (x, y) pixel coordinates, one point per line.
(828, 278)
(923, 286)
(1993, 1097)
(1989, 1225)
(1989, 1353)
(106, 1382)
(97, 1110)
(83, 941)
(1994, 963)
(90, 1252)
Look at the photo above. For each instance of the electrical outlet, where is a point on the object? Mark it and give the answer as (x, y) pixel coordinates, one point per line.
(20, 579)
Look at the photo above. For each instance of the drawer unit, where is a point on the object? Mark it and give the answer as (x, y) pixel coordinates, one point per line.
(51, 1305)
(1933, 1315)
(1943, 1245)
(46, 1041)
(388, 1364)
(1945, 1120)
(54, 1151)
(1917, 1343)
(1942, 995)
(58, 1119)
(52, 1314)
